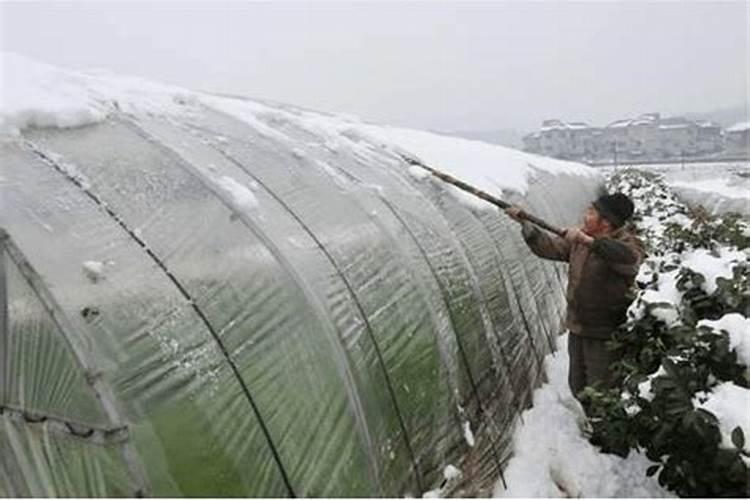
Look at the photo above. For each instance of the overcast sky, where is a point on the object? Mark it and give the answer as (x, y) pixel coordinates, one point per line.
(438, 65)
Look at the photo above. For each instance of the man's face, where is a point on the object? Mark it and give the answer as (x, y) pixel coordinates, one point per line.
(593, 223)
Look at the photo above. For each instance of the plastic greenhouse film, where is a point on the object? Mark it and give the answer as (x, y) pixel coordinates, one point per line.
(331, 325)
(44, 379)
(260, 303)
(164, 368)
(455, 258)
(43, 462)
(439, 268)
(229, 274)
(365, 257)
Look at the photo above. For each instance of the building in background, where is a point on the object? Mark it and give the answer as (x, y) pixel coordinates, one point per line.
(649, 137)
(737, 139)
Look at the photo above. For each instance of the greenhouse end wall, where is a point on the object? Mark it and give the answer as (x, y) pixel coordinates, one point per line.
(191, 307)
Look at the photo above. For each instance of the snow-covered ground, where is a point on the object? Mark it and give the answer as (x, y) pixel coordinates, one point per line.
(719, 187)
(553, 458)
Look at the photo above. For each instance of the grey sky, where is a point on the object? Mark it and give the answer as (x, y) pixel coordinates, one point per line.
(432, 65)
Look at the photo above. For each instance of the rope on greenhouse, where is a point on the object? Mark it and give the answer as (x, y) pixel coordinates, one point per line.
(359, 307)
(183, 291)
(68, 428)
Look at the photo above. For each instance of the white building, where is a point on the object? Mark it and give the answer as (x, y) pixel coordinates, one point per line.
(647, 137)
(737, 139)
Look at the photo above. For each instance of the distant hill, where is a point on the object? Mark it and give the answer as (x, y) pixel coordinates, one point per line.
(725, 117)
(503, 137)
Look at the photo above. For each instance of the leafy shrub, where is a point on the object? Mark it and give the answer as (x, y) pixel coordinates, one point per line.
(667, 362)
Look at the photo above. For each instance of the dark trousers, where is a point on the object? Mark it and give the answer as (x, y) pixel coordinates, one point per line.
(589, 363)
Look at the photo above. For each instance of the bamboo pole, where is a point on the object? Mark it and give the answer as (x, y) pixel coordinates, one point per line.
(483, 195)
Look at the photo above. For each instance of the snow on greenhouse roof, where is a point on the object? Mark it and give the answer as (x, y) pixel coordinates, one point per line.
(487, 166)
(35, 94)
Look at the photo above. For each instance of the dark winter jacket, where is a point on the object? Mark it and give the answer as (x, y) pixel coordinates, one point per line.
(600, 277)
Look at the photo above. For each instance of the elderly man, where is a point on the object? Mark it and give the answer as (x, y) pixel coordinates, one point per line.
(603, 257)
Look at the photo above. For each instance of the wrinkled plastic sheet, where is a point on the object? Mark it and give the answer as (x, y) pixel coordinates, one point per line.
(264, 320)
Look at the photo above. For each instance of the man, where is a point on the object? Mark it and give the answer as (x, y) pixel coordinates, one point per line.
(603, 258)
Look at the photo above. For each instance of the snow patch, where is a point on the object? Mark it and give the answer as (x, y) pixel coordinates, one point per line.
(644, 388)
(35, 94)
(552, 457)
(723, 186)
(730, 404)
(488, 167)
(241, 195)
(451, 472)
(739, 127)
(469, 200)
(418, 172)
(713, 267)
(738, 328)
(93, 270)
(468, 435)
(245, 111)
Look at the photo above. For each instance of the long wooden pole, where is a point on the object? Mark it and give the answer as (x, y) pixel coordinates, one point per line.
(483, 195)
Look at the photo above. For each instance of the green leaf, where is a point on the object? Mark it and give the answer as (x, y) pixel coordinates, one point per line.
(738, 437)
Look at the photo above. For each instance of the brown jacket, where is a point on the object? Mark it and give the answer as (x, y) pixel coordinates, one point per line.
(600, 277)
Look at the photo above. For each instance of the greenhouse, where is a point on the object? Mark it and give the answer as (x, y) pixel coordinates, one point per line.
(275, 303)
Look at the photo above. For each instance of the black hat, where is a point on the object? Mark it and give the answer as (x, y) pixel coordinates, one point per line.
(616, 208)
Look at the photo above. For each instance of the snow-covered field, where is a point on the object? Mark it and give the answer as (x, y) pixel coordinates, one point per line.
(718, 186)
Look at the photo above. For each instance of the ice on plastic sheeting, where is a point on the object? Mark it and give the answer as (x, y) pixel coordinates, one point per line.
(93, 270)
(418, 172)
(241, 195)
(468, 435)
(451, 472)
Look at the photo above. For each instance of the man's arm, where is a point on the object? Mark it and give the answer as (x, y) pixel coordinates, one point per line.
(544, 245)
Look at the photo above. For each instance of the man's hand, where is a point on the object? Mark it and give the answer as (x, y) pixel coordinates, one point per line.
(515, 213)
(574, 235)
